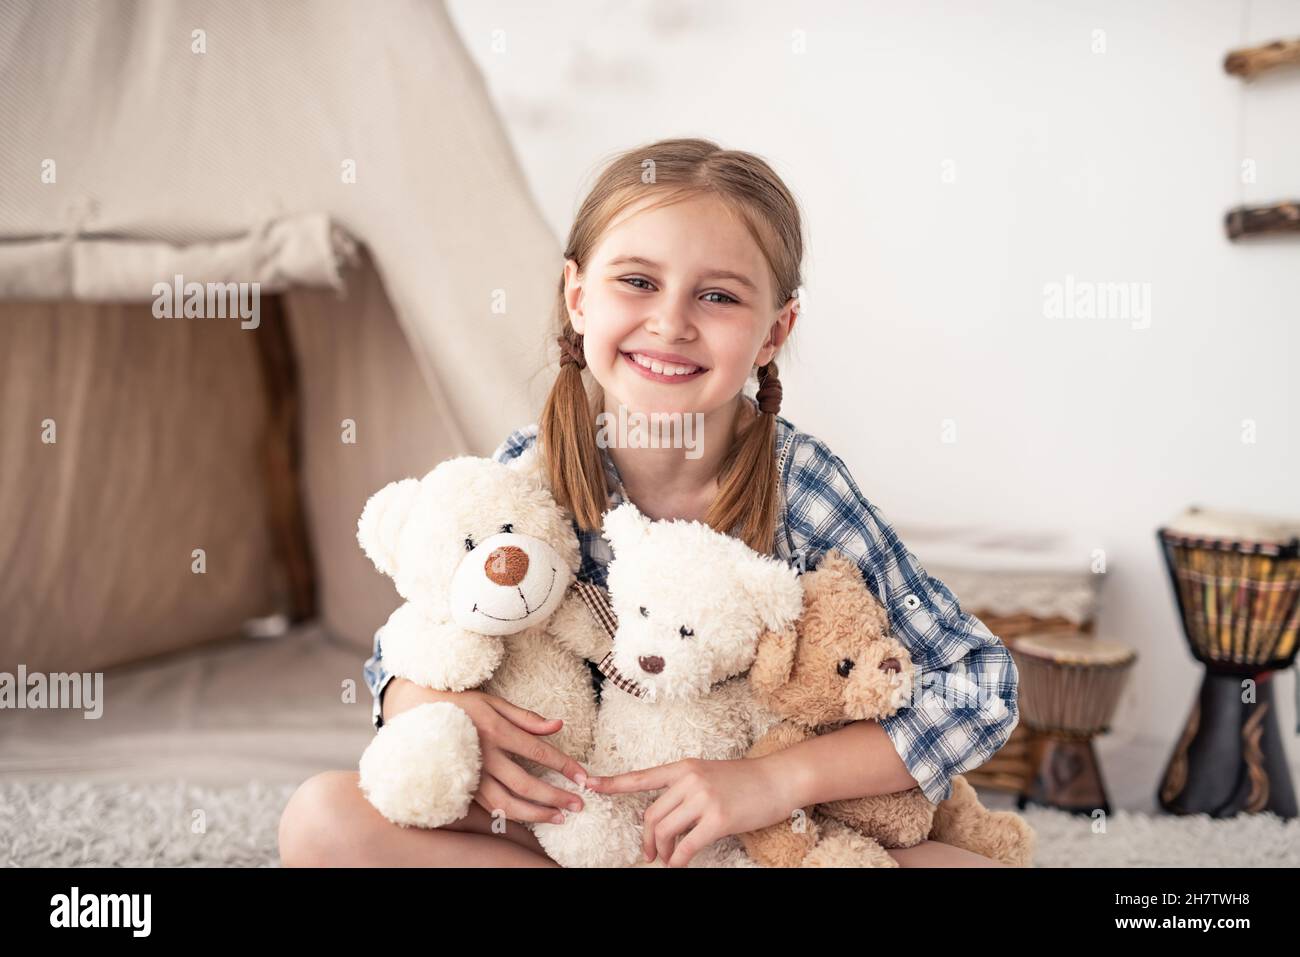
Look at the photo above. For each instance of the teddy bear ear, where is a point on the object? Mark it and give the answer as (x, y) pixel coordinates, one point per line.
(379, 529)
(775, 591)
(530, 462)
(774, 662)
(625, 526)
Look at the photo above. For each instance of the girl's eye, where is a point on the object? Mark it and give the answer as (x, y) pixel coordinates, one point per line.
(469, 544)
(686, 632)
(644, 613)
(727, 299)
(507, 527)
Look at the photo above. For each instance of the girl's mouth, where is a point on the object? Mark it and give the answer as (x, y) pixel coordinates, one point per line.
(668, 371)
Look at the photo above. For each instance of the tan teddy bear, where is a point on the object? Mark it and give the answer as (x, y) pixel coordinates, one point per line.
(840, 664)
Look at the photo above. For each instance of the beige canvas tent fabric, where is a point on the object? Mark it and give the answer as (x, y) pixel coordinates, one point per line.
(152, 140)
(297, 251)
(356, 367)
(241, 141)
(155, 453)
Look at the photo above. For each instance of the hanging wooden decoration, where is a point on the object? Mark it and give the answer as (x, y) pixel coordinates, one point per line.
(1283, 217)
(1249, 62)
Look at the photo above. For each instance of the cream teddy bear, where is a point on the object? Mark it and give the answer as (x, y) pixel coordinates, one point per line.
(692, 605)
(484, 557)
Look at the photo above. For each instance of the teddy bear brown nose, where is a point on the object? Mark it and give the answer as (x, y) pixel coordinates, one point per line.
(651, 665)
(506, 565)
(890, 664)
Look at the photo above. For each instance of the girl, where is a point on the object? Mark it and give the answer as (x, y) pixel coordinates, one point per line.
(680, 280)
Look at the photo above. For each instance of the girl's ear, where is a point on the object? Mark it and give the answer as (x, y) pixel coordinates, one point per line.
(625, 526)
(379, 529)
(774, 662)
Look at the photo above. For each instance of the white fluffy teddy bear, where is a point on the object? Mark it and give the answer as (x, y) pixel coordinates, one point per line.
(692, 605)
(484, 557)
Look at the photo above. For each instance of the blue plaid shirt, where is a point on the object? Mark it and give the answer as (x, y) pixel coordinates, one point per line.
(964, 707)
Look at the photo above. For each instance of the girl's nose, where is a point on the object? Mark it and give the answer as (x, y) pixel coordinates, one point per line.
(671, 323)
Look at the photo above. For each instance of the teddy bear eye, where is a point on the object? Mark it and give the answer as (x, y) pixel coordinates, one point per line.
(507, 527)
(686, 632)
(469, 543)
(644, 613)
(845, 667)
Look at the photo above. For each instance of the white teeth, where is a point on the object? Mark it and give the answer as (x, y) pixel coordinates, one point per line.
(654, 365)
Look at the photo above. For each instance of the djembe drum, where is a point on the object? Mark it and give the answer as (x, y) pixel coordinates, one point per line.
(1069, 690)
(1236, 577)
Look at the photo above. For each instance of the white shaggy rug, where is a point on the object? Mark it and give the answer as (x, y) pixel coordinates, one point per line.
(178, 825)
(149, 825)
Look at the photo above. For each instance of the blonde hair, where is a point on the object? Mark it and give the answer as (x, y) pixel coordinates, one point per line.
(748, 496)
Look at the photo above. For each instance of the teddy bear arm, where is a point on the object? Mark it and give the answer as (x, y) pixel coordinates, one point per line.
(422, 768)
(576, 629)
(841, 846)
(777, 738)
(901, 819)
(605, 833)
(784, 844)
(436, 652)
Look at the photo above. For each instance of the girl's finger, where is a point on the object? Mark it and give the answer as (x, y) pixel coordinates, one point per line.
(495, 796)
(530, 721)
(675, 825)
(534, 749)
(659, 808)
(526, 786)
(646, 779)
(701, 836)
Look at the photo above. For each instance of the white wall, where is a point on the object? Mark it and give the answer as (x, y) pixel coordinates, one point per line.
(925, 298)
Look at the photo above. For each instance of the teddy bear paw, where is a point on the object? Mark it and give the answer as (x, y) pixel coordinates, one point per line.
(605, 833)
(422, 767)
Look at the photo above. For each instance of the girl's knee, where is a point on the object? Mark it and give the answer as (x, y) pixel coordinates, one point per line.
(937, 854)
(313, 823)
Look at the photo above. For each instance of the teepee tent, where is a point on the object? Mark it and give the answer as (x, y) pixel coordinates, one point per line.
(165, 480)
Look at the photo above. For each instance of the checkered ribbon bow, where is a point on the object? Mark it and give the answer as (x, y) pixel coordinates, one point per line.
(597, 601)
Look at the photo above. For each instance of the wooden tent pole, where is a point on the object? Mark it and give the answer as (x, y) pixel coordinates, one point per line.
(282, 456)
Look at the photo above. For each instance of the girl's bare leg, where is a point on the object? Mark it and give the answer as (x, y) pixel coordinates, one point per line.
(329, 823)
(936, 854)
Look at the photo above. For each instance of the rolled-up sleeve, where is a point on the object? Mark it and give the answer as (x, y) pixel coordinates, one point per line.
(964, 701)
(377, 678)
(958, 718)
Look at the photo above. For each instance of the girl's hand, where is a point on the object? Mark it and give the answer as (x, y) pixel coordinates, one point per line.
(504, 730)
(704, 801)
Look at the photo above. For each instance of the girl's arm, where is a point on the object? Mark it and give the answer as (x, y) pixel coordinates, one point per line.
(858, 760)
(964, 707)
(959, 720)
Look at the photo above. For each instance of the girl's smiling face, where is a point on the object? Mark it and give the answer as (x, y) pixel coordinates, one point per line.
(684, 286)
